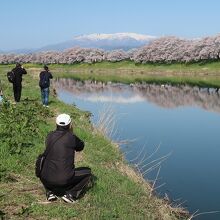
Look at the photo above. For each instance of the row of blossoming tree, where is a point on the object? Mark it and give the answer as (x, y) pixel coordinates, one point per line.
(161, 50)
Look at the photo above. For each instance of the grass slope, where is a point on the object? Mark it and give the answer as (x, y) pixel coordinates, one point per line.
(203, 75)
(118, 193)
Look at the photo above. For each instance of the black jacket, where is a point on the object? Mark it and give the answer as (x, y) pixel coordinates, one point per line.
(19, 71)
(45, 77)
(58, 168)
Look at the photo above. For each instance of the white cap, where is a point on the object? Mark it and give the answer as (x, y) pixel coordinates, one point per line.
(63, 120)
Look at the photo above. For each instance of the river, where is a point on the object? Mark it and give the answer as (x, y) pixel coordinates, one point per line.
(172, 132)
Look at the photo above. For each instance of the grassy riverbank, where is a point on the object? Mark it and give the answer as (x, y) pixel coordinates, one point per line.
(118, 192)
(203, 75)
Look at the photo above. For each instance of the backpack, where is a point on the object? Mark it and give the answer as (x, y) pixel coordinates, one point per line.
(44, 82)
(39, 164)
(11, 76)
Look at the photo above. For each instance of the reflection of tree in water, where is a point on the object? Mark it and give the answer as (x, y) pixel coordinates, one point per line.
(172, 96)
(162, 95)
(79, 87)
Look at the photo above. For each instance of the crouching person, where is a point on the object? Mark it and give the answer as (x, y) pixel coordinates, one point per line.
(59, 175)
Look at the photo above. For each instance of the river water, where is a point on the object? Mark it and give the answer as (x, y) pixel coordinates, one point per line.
(165, 131)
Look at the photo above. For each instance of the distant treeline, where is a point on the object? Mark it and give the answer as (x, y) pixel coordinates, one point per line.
(162, 50)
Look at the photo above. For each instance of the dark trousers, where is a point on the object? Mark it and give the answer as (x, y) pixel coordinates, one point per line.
(17, 87)
(77, 185)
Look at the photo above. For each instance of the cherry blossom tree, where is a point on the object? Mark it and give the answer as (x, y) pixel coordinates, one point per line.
(162, 50)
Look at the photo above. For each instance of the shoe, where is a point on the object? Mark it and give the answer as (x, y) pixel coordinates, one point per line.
(51, 197)
(47, 106)
(68, 198)
(44, 105)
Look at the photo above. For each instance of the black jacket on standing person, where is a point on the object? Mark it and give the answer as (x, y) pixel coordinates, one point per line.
(18, 71)
(58, 168)
(17, 87)
(45, 77)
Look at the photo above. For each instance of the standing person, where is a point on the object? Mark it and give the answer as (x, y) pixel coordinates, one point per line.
(59, 175)
(44, 84)
(17, 86)
(1, 93)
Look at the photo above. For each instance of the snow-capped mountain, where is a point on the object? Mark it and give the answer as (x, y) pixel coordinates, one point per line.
(123, 41)
(116, 36)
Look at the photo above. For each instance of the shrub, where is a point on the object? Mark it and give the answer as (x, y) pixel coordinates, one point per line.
(19, 124)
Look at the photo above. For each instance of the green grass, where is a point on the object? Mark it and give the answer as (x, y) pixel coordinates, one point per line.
(116, 195)
(197, 74)
(205, 67)
(212, 66)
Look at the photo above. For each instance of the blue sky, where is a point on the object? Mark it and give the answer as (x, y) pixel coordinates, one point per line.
(35, 23)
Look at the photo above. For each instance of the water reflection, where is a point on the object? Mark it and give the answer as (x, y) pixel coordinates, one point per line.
(162, 95)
